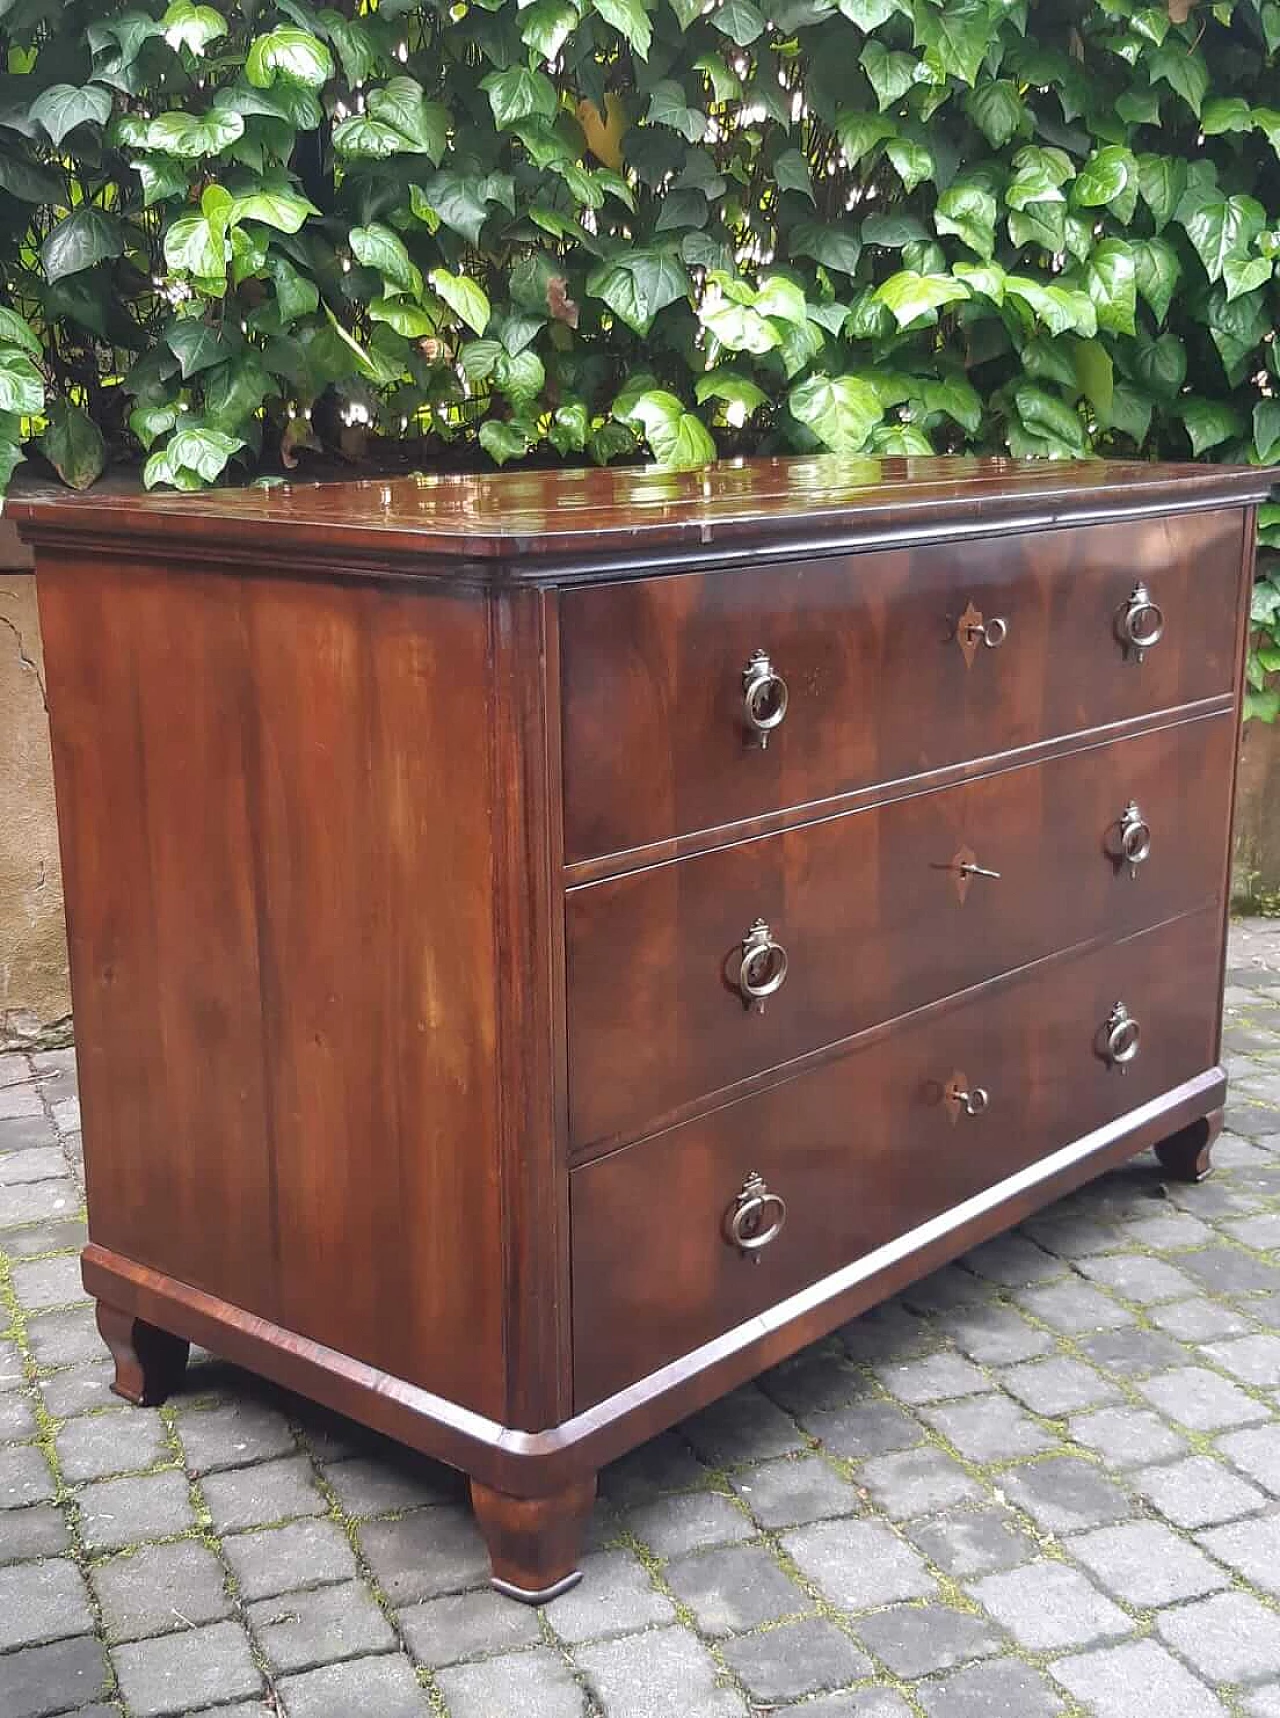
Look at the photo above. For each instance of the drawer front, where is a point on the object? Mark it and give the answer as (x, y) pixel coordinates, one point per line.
(864, 1149)
(876, 917)
(657, 741)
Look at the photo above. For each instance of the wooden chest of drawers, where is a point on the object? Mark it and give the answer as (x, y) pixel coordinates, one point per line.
(546, 947)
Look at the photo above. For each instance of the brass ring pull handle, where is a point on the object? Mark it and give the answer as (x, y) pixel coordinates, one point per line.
(992, 632)
(764, 696)
(1135, 837)
(973, 1103)
(1140, 623)
(763, 971)
(970, 868)
(748, 1223)
(1124, 1036)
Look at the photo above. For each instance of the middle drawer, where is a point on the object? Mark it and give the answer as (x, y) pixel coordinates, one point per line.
(874, 914)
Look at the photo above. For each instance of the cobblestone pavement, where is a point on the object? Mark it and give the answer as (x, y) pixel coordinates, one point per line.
(1045, 1480)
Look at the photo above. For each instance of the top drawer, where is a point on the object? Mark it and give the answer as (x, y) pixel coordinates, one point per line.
(884, 678)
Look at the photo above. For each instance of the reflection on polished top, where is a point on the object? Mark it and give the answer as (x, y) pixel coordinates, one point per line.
(579, 514)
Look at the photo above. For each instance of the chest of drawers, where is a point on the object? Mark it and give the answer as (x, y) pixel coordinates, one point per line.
(546, 947)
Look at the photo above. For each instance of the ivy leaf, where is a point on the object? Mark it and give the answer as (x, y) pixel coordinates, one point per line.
(1208, 422)
(423, 124)
(1242, 276)
(275, 207)
(205, 451)
(1266, 430)
(190, 27)
(463, 297)
(1183, 69)
(194, 344)
(148, 423)
(1225, 113)
(958, 33)
(630, 19)
(191, 247)
(292, 55)
(73, 444)
(859, 132)
(1102, 178)
(997, 110)
(296, 296)
(835, 247)
(1130, 412)
(27, 181)
(841, 411)
(377, 247)
(519, 93)
(1063, 310)
(1223, 227)
(667, 106)
(1044, 414)
(893, 232)
(234, 391)
(88, 235)
(740, 20)
(734, 389)
(1162, 179)
(1094, 374)
(1160, 364)
(191, 137)
(969, 211)
(15, 332)
(909, 295)
(677, 437)
(637, 284)
(1110, 281)
(868, 15)
(21, 384)
(891, 74)
(364, 139)
(60, 109)
(791, 173)
(1156, 273)
(911, 161)
(957, 398)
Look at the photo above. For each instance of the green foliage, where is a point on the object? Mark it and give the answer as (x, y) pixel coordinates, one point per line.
(590, 229)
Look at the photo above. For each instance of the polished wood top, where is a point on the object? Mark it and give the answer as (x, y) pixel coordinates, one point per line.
(509, 525)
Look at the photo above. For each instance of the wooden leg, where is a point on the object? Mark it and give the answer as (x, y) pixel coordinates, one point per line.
(149, 1362)
(1185, 1155)
(534, 1542)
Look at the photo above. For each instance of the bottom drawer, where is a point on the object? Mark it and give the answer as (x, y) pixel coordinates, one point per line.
(865, 1148)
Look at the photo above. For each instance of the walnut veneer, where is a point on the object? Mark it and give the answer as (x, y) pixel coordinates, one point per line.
(427, 843)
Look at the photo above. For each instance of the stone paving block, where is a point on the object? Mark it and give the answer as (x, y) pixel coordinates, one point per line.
(17, 1418)
(25, 1476)
(858, 1564)
(1074, 1308)
(918, 1482)
(1252, 1359)
(864, 1429)
(1068, 1233)
(37, 1531)
(1048, 1607)
(373, 1485)
(657, 1675)
(664, 1464)
(79, 1389)
(421, 1555)
(1228, 1638)
(888, 1329)
(729, 1590)
(988, 1429)
(12, 1369)
(41, 1680)
(1261, 1231)
(255, 1496)
(319, 1625)
(1057, 1386)
(307, 1553)
(1251, 1548)
(934, 1378)
(535, 1684)
(790, 1493)
(995, 1335)
(1063, 1494)
(38, 1200)
(744, 1426)
(159, 1589)
(795, 1659)
(1139, 1278)
(174, 1673)
(98, 1445)
(233, 1435)
(64, 1338)
(19, 1099)
(1202, 1400)
(42, 1602)
(48, 1282)
(1001, 1688)
(117, 1512)
(1256, 1452)
(1146, 1563)
(1265, 1703)
(1138, 1677)
(814, 1381)
(866, 1703)
(1198, 1492)
(37, 1163)
(1012, 1260)
(460, 1625)
(964, 1542)
(1198, 1320)
(945, 1290)
(672, 1525)
(916, 1640)
(1132, 1353)
(384, 1686)
(1126, 1437)
(614, 1595)
(58, 1235)
(1169, 1231)
(1231, 1270)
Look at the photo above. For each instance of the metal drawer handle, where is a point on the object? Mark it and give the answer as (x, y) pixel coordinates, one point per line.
(764, 696)
(972, 629)
(992, 632)
(1135, 837)
(973, 1103)
(1140, 623)
(763, 971)
(747, 1225)
(1124, 1036)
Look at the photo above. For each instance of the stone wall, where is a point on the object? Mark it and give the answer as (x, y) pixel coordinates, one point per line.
(35, 1003)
